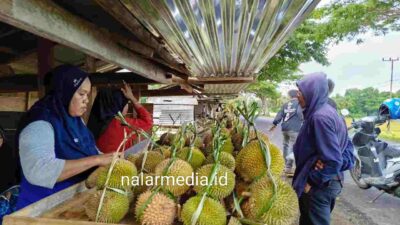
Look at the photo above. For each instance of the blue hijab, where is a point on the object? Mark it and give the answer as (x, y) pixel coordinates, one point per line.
(73, 140)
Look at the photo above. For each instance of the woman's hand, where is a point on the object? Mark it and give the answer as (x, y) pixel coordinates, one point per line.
(307, 188)
(319, 165)
(127, 90)
(106, 159)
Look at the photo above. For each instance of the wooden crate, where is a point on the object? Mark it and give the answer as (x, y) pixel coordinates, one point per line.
(63, 208)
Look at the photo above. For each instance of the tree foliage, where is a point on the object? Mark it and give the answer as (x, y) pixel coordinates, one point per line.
(361, 102)
(330, 24)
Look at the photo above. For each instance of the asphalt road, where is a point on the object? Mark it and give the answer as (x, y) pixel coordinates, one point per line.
(353, 205)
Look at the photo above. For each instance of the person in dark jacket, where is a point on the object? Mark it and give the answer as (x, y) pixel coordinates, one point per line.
(331, 86)
(323, 138)
(291, 117)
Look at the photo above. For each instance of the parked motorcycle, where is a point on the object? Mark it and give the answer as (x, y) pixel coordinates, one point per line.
(377, 162)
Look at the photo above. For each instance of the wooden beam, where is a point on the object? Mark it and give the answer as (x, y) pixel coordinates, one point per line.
(45, 62)
(46, 19)
(221, 80)
(29, 82)
(125, 17)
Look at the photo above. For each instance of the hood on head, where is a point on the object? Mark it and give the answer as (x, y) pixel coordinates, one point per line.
(314, 88)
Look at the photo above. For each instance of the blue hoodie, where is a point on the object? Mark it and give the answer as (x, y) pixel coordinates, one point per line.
(323, 136)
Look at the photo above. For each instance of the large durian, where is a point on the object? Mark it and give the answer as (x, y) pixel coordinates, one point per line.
(152, 160)
(122, 168)
(225, 159)
(142, 184)
(114, 208)
(226, 147)
(197, 157)
(218, 189)
(166, 139)
(133, 158)
(250, 162)
(179, 168)
(159, 210)
(280, 212)
(213, 212)
(92, 179)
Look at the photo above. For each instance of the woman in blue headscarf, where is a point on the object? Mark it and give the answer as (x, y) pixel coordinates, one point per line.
(56, 149)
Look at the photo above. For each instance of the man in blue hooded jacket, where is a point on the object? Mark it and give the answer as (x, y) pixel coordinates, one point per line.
(322, 143)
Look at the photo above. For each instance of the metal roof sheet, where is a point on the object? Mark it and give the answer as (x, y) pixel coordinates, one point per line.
(222, 37)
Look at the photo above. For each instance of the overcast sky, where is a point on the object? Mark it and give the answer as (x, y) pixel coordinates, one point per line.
(361, 66)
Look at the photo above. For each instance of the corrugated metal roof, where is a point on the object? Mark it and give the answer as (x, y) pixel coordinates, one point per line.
(224, 88)
(222, 37)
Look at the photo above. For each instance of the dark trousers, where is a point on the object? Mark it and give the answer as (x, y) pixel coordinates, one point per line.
(316, 206)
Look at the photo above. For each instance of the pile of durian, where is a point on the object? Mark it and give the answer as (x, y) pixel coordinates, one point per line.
(254, 193)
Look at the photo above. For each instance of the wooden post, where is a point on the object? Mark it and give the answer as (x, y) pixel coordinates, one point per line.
(27, 100)
(90, 67)
(45, 62)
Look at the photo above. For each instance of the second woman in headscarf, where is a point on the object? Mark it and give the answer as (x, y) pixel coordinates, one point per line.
(106, 129)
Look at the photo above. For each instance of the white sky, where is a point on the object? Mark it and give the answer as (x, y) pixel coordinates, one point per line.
(360, 66)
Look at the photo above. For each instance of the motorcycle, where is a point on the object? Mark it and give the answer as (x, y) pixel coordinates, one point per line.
(377, 163)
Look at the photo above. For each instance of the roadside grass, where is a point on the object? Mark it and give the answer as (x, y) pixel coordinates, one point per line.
(390, 133)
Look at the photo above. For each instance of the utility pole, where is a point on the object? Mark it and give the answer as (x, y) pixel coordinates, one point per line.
(391, 75)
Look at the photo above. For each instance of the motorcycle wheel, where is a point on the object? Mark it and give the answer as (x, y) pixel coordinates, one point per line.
(356, 175)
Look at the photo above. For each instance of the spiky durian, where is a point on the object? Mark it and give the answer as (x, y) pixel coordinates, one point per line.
(250, 162)
(179, 169)
(225, 159)
(152, 160)
(166, 139)
(237, 140)
(280, 212)
(226, 147)
(197, 157)
(122, 168)
(223, 184)
(141, 185)
(213, 212)
(159, 210)
(164, 150)
(92, 179)
(133, 158)
(114, 207)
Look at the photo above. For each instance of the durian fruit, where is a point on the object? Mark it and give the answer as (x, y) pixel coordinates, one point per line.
(133, 158)
(237, 140)
(152, 160)
(115, 207)
(92, 179)
(250, 162)
(142, 186)
(280, 213)
(166, 139)
(234, 221)
(207, 139)
(164, 150)
(198, 143)
(219, 188)
(225, 158)
(160, 209)
(197, 158)
(213, 212)
(226, 147)
(122, 168)
(179, 168)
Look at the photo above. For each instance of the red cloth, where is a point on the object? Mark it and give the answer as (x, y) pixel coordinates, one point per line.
(112, 137)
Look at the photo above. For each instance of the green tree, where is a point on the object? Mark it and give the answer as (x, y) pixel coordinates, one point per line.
(340, 20)
(266, 91)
